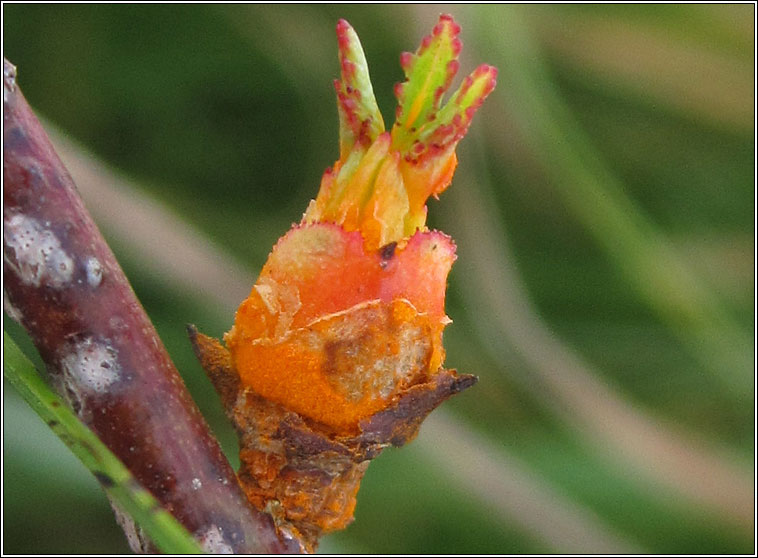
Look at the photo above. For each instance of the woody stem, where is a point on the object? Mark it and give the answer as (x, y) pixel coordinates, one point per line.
(64, 286)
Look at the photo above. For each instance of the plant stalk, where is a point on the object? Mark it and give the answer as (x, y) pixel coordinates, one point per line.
(103, 355)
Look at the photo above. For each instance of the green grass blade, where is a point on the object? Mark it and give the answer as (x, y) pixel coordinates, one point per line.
(163, 529)
(630, 239)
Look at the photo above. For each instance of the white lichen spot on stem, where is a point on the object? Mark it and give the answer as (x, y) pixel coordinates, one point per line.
(212, 541)
(90, 365)
(94, 270)
(34, 253)
(9, 80)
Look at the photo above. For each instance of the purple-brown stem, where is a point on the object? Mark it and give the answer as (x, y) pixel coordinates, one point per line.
(63, 284)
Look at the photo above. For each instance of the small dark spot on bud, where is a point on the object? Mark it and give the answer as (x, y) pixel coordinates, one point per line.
(387, 252)
(52, 423)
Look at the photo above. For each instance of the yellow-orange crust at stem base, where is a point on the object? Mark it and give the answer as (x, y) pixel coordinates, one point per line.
(301, 471)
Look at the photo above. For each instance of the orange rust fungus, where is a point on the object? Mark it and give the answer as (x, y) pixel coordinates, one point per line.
(337, 351)
(332, 332)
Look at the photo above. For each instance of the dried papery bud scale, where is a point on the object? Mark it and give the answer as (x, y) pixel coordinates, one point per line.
(304, 473)
(337, 353)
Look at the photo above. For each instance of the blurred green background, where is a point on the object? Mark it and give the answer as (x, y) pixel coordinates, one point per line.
(604, 289)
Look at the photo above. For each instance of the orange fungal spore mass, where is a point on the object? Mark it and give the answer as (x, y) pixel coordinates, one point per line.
(333, 332)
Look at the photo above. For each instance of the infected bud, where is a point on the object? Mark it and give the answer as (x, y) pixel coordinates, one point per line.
(337, 352)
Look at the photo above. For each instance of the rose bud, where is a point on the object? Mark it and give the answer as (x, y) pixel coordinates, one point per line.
(337, 352)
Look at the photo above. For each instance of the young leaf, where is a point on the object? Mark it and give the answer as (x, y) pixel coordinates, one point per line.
(360, 119)
(428, 73)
